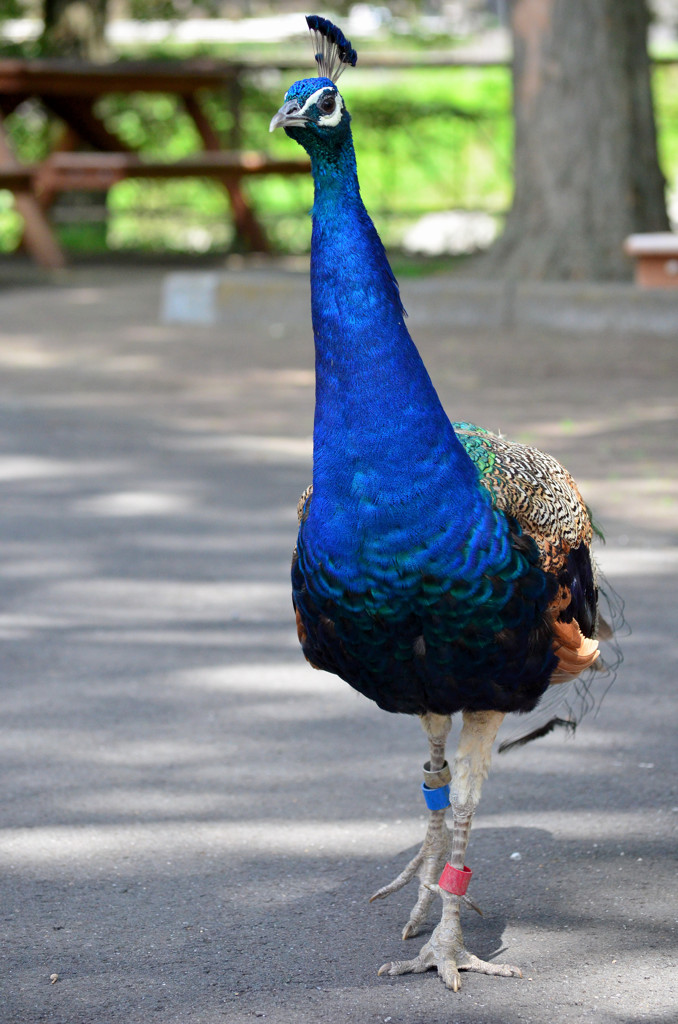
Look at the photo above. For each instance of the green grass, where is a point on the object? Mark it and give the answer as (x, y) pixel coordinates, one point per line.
(427, 139)
(665, 90)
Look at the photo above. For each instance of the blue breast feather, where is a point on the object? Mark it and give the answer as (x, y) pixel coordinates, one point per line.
(475, 638)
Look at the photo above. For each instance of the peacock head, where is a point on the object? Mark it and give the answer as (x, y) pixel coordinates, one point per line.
(314, 111)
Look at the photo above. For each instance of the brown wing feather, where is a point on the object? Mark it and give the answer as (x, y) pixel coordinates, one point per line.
(541, 495)
(534, 488)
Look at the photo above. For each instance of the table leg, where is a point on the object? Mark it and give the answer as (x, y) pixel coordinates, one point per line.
(247, 228)
(39, 238)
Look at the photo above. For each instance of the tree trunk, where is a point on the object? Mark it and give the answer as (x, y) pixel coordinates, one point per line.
(586, 167)
(75, 28)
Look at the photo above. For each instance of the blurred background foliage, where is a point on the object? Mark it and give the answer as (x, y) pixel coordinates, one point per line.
(428, 139)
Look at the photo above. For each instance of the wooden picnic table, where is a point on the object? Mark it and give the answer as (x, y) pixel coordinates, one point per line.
(90, 156)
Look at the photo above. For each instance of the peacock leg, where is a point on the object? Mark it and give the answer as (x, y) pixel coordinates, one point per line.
(430, 860)
(445, 949)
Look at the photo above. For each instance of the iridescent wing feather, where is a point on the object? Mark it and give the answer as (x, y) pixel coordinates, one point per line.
(538, 491)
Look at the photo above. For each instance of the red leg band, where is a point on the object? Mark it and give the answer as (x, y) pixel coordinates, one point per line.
(455, 881)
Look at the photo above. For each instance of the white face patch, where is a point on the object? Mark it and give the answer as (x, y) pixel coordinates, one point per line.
(333, 119)
(326, 120)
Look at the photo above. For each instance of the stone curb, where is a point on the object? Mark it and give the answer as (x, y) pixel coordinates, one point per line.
(214, 297)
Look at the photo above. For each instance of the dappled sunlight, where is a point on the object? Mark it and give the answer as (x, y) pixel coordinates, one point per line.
(149, 333)
(263, 526)
(173, 770)
(45, 568)
(286, 378)
(274, 694)
(29, 467)
(111, 601)
(595, 825)
(29, 353)
(645, 562)
(641, 500)
(126, 804)
(227, 635)
(24, 352)
(130, 364)
(276, 544)
(147, 751)
(135, 503)
(263, 448)
(84, 296)
(262, 680)
(658, 412)
(181, 840)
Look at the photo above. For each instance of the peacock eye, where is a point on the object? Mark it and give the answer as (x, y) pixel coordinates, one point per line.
(327, 104)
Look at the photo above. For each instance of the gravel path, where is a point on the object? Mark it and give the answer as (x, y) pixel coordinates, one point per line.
(192, 819)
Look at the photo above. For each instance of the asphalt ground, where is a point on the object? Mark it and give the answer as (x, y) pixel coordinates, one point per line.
(192, 819)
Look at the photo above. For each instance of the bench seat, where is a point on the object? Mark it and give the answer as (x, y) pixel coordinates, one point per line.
(656, 258)
(99, 171)
(17, 179)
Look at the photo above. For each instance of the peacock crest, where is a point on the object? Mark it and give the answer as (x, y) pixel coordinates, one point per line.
(331, 49)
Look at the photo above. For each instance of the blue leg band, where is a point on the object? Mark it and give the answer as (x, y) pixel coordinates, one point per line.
(436, 799)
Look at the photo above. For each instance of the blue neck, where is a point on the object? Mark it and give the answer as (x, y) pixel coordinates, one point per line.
(384, 449)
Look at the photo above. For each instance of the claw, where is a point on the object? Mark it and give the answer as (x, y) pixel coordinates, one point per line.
(397, 967)
(419, 912)
(427, 864)
(450, 976)
(405, 876)
(474, 963)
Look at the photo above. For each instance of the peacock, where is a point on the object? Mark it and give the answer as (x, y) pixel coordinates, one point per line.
(439, 568)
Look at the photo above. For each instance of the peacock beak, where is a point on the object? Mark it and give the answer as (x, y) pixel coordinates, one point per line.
(287, 116)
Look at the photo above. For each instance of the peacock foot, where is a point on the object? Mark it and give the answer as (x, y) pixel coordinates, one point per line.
(426, 865)
(448, 965)
(446, 953)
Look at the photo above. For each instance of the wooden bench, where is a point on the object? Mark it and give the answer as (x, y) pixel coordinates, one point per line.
(656, 257)
(36, 187)
(64, 171)
(38, 236)
(99, 171)
(17, 179)
(89, 155)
